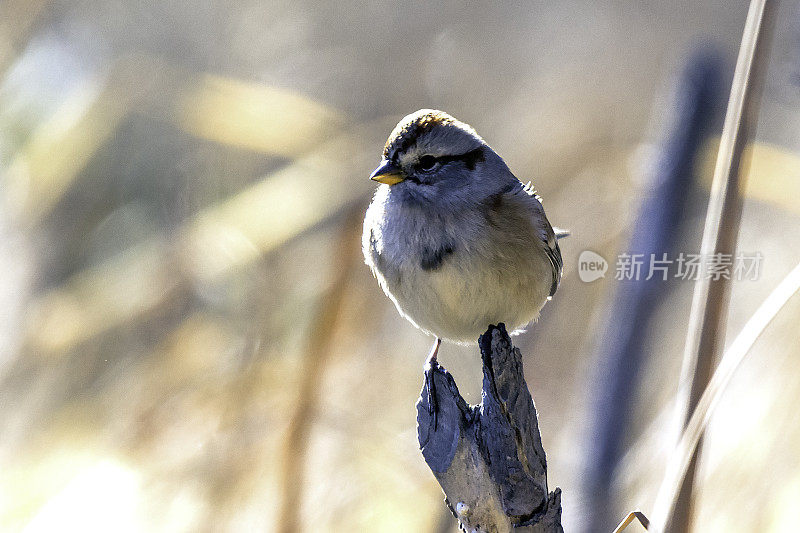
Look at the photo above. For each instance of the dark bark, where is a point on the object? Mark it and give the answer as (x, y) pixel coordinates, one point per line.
(489, 458)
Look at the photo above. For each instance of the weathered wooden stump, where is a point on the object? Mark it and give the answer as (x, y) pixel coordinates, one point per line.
(489, 458)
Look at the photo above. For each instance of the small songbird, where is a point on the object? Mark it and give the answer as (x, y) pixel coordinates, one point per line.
(455, 240)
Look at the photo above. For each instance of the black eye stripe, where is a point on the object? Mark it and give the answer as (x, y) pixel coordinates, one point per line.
(470, 158)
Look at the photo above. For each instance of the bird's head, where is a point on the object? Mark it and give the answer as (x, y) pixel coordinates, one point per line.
(431, 154)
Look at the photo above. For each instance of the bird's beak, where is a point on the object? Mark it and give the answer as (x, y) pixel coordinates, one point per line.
(388, 173)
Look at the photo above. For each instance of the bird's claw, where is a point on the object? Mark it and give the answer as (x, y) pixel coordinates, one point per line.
(430, 365)
(433, 407)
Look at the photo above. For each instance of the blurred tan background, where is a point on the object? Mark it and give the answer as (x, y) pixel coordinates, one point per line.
(189, 340)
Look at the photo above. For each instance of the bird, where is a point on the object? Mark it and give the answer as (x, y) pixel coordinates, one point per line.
(455, 240)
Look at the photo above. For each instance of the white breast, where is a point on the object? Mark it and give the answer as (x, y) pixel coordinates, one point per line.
(480, 283)
(467, 293)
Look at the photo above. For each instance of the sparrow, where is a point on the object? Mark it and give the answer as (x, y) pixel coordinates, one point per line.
(455, 240)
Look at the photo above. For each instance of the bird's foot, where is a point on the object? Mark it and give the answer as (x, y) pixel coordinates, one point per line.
(430, 364)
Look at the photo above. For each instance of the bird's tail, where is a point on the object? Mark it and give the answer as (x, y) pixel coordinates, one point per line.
(561, 233)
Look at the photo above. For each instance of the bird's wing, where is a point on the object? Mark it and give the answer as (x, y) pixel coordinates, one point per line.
(548, 235)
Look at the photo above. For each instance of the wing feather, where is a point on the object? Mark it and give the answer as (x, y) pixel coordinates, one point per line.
(550, 238)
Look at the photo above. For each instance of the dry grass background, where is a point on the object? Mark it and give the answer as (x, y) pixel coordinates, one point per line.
(184, 313)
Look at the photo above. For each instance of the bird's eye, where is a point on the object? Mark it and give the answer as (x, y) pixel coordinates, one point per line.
(426, 163)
